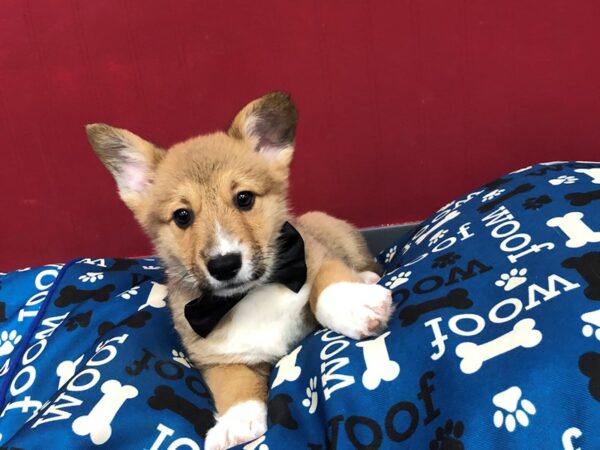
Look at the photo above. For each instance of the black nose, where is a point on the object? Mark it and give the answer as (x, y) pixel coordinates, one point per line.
(225, 267)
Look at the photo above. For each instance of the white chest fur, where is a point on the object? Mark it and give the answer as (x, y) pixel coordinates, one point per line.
(263, 326)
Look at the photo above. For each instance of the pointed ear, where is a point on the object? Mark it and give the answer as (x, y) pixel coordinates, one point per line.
(269, 125)
(131, 160)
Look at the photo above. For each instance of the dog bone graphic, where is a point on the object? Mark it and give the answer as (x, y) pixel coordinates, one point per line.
(156, 297)
(97, 423)
(575, 228)
(583, 198)
(516, 191)
(287, 370)
(456, 298)
(165, 398)
(279, 412)
(588, 266)
(593, 173)
(136, 320)
(71, 295)
(474, 355)
(377, 359)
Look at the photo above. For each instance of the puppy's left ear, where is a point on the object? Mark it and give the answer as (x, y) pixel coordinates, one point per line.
(269, 125)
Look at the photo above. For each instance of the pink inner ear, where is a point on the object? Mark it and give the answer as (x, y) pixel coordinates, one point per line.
(133, 177)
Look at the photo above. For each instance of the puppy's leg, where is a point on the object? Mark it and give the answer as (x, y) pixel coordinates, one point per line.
(240, 394)
(349, 302)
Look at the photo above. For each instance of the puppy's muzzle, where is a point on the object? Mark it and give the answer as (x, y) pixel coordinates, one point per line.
(225, 267)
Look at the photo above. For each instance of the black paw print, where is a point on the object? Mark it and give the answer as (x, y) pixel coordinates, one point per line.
(447, 259)
(536, 202)
(80, 320)
(448, 437)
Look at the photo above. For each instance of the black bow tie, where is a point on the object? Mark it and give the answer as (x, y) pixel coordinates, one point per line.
(205, 312)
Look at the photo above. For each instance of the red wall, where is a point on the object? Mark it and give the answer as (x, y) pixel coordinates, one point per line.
(403, 104)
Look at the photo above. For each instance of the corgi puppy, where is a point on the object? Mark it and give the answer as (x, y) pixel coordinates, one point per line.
(216, 209)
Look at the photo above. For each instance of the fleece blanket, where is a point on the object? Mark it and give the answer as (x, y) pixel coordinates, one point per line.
(494, 344)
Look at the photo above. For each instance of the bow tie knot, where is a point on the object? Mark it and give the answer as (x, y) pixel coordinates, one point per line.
(289, 269)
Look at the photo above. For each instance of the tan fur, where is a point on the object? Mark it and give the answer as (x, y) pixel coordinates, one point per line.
(236, 383)
(203, 174)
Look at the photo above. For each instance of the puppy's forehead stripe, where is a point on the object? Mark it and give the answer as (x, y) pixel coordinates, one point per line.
(224, 242)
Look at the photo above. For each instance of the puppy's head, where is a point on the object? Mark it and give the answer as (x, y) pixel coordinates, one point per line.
(212, 205)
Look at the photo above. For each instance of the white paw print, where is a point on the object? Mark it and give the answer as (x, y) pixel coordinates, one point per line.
(437, 237)
(91, 277)
(563, 179)
(8, 342)
(130, 293)
(390, 254)
(514, 408)
(151, 267)
(312, 399)
(492, 194)
(397, 280)
(181, 358)
(514, 278)
(592, 324)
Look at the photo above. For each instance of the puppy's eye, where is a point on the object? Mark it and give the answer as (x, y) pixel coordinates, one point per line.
(183, 218)
(244, 200)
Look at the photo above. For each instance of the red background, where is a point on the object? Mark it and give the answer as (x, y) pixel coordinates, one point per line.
(403, 104)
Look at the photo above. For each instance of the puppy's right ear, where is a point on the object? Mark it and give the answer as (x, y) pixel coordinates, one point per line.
(131, 160)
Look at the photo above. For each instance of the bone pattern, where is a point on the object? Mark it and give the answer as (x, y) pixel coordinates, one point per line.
(97, 424)
(588, 266)
(165, 398)
(456, 298)
(583, 198)
(474, 355)
(578, 232)
(379, 366)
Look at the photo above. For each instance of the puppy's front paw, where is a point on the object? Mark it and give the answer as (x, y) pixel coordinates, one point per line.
(240, 423)
(356, 310)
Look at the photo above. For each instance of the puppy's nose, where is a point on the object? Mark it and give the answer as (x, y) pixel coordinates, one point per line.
(225, 267)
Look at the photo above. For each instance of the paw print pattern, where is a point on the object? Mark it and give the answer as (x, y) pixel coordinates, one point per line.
(492, 195)
(592, 324)
(8, 341)
(91, 277)
(448, 437)
(390, 254)
(437, 237)
(397, 280)
(129, 293)
(444, 260)
(312, 399)
(180, 357)
(513, 279)
(563, 179)
(536, 202)
(512, 408)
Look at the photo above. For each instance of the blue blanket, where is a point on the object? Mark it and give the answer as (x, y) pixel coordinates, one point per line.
(495, 343)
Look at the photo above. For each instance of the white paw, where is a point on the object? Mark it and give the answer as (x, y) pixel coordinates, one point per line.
(241, 423)
(355, 310)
